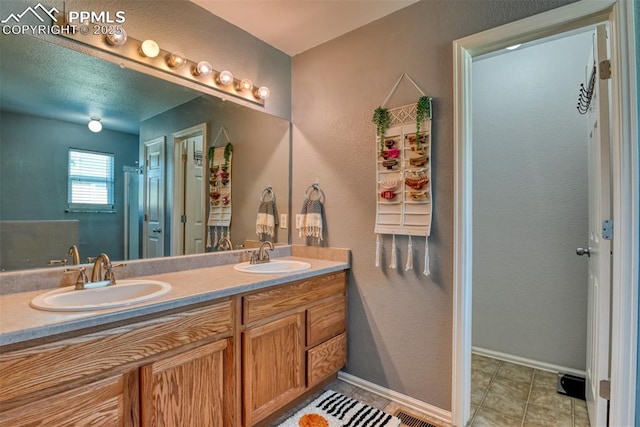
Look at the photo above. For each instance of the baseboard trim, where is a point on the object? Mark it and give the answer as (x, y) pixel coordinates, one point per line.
(399, 398)
(543, 366)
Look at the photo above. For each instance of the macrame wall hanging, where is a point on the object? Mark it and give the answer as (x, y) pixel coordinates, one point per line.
(403, 172)
(219, 221)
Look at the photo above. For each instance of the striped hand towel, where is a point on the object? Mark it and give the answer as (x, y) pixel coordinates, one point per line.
(267, 219)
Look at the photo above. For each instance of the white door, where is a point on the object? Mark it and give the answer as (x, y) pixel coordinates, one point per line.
(153, 210)
(599, 249)
(193, 196)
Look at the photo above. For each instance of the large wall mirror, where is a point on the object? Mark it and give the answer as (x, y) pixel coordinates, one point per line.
(157, 134)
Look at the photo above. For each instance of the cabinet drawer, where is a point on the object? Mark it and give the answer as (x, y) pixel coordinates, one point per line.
(273, 301)
(326, 359)
(326, 320)
(37, 368)
(97, 404)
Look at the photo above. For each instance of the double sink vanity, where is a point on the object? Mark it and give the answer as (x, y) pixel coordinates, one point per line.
(203, 340)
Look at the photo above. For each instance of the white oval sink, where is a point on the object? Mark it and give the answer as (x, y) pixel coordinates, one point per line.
(278, 266)
(125, 292)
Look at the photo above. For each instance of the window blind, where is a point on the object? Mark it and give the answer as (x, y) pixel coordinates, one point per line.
(91, 180)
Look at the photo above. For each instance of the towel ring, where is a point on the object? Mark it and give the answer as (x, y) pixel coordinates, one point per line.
(267, 191)
(314, 188)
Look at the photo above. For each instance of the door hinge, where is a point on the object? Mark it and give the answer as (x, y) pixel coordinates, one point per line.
(605, 69)
(605, 389)
(146, 218)
(607, 229)
(183, 219)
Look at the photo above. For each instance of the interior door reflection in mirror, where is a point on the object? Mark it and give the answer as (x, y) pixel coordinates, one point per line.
(160, 206)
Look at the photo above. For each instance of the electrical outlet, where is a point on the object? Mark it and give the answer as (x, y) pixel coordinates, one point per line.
(283, 220)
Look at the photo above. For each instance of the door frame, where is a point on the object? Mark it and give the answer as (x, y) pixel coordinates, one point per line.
(145, 232)
(625, 199)
(177, 183)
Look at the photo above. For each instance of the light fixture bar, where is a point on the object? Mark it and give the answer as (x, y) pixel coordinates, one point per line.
(131, 50)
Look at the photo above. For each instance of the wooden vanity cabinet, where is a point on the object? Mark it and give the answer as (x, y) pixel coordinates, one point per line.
(273, 365)
(228, 363)
(189, 388)
(153, 372)
(293, 338)
(101, 403)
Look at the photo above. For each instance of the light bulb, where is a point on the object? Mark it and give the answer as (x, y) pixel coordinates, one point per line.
(176, 60)
(95, 125)
(263, 92)
(117, 38)
(245, 84)
(203, 69)
(225, 77)
(149, 48)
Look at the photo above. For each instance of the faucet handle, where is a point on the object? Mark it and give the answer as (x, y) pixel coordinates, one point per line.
(82, 279)
(58, 262)
(91, 259)
(110, 275)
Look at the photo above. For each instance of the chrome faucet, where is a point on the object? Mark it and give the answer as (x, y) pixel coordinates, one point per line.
(75, 255)
(102, 260)
(262, 255)
(225, 244)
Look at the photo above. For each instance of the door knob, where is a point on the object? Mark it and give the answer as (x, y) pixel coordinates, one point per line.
(157, 230)
(583, 251)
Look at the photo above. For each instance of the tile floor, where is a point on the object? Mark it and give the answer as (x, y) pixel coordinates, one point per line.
(504, 395)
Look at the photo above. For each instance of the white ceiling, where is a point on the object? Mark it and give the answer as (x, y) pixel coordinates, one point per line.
(294, 26)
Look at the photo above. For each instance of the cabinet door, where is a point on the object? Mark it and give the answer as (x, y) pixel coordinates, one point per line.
(186, 389)
(273, 368)
(101, 403)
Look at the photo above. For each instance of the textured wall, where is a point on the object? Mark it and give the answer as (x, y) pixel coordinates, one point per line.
(33, 176)
(531, 203)
(400, 323)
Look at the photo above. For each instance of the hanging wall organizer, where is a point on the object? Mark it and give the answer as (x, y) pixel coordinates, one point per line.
(403, 172)
(220, 158)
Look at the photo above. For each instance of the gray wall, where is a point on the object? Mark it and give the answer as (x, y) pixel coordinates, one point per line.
(400, 323)
(33, 176)
(260, 157)
(530, 201)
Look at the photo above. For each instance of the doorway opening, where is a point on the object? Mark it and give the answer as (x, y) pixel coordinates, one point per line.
(188, 218)
(530, 211)
(618, 15)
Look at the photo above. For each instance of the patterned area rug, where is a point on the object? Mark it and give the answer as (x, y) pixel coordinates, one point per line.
(333, 409)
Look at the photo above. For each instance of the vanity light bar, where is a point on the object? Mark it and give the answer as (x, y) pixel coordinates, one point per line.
(148, 52)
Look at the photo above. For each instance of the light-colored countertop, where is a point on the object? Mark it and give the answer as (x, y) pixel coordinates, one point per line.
(19, 322)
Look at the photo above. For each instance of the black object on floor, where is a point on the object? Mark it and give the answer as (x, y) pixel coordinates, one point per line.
(571, 385)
